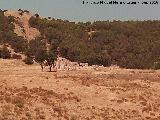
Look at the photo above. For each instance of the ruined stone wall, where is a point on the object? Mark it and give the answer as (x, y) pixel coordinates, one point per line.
(63, 64)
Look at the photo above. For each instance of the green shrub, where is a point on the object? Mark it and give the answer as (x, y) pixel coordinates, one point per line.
(36, 15)
(156, 65)
(40, 56)
(16, 56)
(26, 11)
(23, 30)
(29, 60)
(0, 53)
(5, 53)
(51, 57)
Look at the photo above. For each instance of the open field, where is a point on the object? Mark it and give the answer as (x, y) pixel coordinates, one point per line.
(27, 93)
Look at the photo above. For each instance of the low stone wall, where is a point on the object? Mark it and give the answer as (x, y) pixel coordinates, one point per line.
(63, 64)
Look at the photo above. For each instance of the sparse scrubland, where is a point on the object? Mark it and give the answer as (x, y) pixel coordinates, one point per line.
(27, 93)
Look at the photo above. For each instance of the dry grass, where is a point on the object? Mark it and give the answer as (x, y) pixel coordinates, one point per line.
(26, 93)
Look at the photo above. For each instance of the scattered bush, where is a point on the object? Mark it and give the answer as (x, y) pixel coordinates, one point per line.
(36, 15)
(26, 11)
(21, 13)
(156, 65)
(23, 30)
(19, 102)
(20, 10)
(16, 56)
(0, 53)
(5, 10)
(40, 56)
(28, 60)
(5, 53)
(49, 17)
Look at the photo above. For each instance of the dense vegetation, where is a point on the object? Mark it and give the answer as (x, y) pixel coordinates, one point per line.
(129, 44)
(7, 35)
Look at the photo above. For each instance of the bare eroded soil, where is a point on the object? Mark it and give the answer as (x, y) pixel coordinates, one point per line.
(27, 93)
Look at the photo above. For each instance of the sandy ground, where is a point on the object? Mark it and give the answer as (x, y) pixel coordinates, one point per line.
(27, 93)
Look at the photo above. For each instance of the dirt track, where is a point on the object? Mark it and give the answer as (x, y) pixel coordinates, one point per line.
(27, 93)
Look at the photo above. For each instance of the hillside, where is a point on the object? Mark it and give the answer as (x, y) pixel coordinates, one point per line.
(22, 27)
(128, 44)
(7, 35)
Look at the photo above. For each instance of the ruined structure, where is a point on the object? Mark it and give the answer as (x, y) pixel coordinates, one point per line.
(64, 64)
